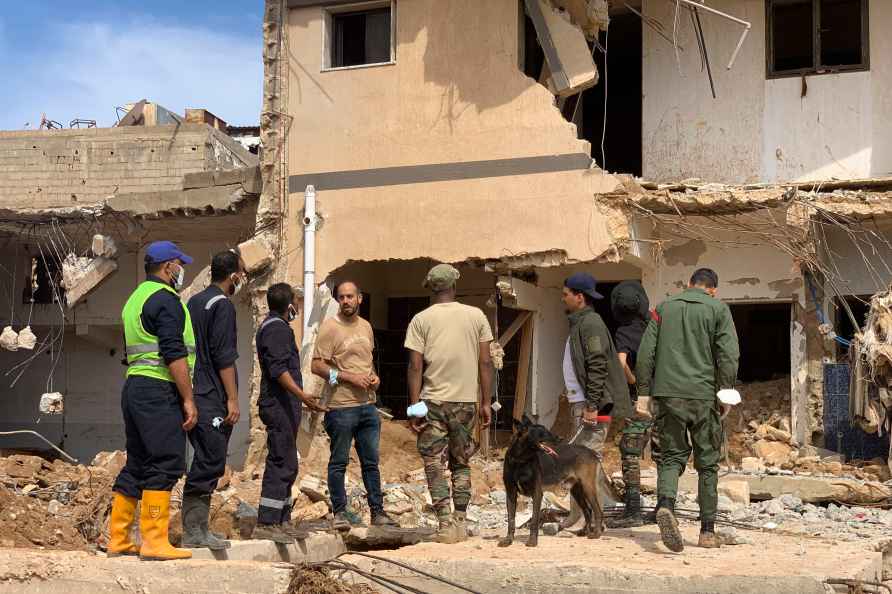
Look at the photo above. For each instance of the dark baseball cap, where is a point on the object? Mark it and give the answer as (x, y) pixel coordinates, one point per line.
(164, 251)
(583, 283)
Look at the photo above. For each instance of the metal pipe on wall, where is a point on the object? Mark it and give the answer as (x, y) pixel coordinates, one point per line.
(310, 223)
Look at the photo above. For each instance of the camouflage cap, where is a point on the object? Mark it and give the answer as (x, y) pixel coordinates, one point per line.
(441, 277)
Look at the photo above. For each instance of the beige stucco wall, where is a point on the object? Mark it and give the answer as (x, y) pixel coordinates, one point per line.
(749, 267)
(454, 94)
(760, 129)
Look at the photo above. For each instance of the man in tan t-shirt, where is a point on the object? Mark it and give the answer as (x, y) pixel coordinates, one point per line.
(343, 358)
(452, 340)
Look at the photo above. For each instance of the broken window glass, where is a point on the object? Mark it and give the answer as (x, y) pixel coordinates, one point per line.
(792, 28)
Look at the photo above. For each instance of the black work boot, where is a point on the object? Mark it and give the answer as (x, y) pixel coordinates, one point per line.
(708, 538)
(196, 535)
(272, 532)
(668, 524)
(631, 517)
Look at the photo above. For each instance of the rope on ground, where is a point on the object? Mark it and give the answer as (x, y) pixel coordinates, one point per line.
(410, 568)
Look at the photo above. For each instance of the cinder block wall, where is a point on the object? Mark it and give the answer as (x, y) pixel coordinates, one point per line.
(74, 168)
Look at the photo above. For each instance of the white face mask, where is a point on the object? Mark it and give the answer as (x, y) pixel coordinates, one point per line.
(180, 278)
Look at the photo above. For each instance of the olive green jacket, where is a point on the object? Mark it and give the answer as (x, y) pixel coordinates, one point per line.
(689, 349)
(597, 365)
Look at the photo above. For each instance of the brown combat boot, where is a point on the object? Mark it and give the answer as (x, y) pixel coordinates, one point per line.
(668, 524)
(708, 538)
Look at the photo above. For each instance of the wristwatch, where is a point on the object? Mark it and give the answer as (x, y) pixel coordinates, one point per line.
(332, 376)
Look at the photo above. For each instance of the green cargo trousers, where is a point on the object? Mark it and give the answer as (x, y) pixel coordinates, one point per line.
(685, 425)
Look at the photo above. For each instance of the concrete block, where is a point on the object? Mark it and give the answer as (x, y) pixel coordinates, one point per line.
(51, 572)
(751, 464)
(773, 452)
(314, 488)
(255, 254)
(736, 491)
(564, 43)
(318, 547)
(104, 246)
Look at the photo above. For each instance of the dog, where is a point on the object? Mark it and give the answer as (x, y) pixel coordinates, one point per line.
(536, 460)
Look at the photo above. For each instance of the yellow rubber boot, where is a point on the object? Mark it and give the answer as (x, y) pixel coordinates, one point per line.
(154, 521)
(119, 525)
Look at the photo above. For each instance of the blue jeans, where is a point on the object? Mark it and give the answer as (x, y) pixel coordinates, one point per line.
(343, 425)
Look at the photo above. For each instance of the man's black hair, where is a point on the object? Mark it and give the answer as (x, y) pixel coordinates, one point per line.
(153, 267)
(705, 277)
(346, 282)
(279, 297)
(223, 264)
(589, 300)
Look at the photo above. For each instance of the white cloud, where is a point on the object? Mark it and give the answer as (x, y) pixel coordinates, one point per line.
(88, 69)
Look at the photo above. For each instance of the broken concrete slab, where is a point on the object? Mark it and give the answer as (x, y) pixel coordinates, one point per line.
(566, 49)
(50, 572)
(81, 275)
(808, 489)
(316, 548)
(380, 537)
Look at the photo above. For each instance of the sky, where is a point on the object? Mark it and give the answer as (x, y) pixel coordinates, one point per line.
(82, 58)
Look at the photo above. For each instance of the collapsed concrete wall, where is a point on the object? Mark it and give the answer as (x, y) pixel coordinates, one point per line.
(75, 168)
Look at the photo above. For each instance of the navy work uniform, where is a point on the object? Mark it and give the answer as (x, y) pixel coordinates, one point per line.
(213, 319)
(280, 411)
(153, 414)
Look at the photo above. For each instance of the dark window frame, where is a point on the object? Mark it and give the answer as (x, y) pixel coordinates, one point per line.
(816, 67)
(330, 35)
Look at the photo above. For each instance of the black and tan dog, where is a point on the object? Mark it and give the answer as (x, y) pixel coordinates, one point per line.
(537, 460)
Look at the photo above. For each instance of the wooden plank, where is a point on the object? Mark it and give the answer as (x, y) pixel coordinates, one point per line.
(523, 369)
(516, 325)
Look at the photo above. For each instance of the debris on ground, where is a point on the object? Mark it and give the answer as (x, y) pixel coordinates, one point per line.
(317, 580)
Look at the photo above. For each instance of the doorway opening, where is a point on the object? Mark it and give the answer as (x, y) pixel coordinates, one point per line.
(763, 330)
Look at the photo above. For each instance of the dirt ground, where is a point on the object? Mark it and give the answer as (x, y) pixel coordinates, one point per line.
(641, 550)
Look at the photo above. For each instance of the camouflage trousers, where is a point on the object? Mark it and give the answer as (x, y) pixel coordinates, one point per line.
(448, 439)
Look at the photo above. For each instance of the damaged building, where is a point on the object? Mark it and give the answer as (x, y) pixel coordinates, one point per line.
(526, 140)
(77, 209)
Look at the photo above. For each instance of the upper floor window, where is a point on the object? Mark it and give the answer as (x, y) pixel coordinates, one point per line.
(359, 35)
(816, 36)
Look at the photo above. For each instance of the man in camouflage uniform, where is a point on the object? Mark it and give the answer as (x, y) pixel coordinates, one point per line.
(688, 353)
(450, 343)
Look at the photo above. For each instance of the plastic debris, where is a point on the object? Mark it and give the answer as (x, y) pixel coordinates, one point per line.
(27, 339)
(52, 403)
(9, 339)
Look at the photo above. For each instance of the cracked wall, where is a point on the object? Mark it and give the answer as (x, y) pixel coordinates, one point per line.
(454, 96)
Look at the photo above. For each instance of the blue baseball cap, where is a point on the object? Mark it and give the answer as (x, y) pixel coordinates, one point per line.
(164, 251)
(583, 283)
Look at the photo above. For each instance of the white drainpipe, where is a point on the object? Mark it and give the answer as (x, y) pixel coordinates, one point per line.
(310, 223)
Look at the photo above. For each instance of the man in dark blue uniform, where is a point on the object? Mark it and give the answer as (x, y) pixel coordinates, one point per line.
(281, 393)
(215, 385)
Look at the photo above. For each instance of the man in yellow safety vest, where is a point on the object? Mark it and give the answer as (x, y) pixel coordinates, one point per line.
(157, 405)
